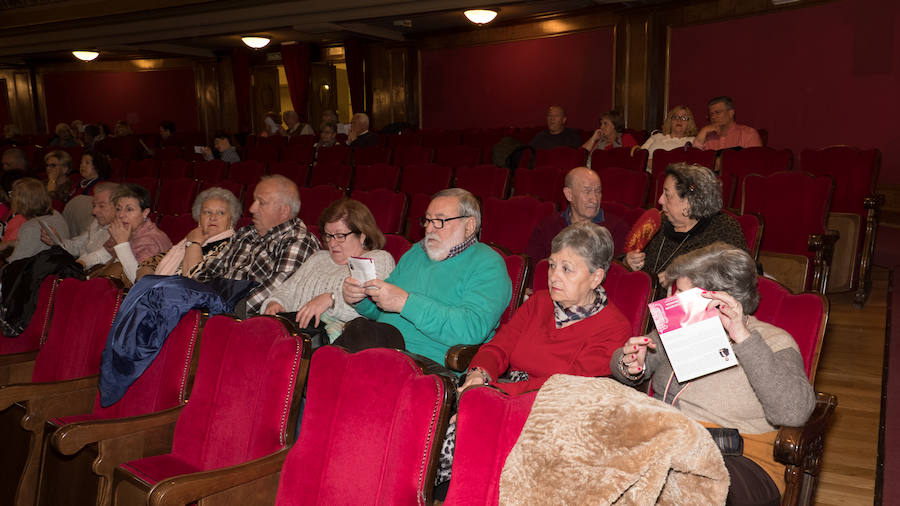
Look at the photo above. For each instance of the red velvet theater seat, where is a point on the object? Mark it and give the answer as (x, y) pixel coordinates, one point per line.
(242, 407)
(74, 469)
(61, 381)
(487, 426)
(372, 430)
(387, 206)
(34, 334)
(509, 223)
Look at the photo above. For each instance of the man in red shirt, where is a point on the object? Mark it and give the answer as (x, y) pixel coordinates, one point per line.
(723, 132)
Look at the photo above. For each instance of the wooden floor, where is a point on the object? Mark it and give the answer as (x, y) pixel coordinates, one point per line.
(850, 366)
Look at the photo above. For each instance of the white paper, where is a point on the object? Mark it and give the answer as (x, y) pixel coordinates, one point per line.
(53, 235)
(693, 337)
(361, 269)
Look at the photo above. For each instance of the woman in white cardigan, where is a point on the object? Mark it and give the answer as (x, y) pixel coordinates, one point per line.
(314, 291)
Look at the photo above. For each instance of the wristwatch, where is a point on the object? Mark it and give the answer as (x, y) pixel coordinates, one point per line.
(188, 244)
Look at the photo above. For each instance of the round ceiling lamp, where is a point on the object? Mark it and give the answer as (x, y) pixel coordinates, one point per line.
(86, 55)
(256, 42)
(480, 16)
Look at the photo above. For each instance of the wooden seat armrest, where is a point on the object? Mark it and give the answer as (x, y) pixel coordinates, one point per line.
(71, 438)
(824, 241)
(459, 356)
(17, 367)
(10, 394)
(872, 202)
(188, 488)
(803, 446)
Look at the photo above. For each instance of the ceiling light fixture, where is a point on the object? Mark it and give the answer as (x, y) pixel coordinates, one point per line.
(480, 16)
(256, 42)
(86, 55)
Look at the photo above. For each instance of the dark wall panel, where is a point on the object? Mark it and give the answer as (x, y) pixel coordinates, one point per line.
(513, 83)
(143, 99)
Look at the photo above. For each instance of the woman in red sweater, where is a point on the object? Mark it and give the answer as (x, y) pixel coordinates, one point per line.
(570, 329)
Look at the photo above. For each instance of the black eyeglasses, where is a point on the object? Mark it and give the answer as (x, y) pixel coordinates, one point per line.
(437, 222)
(337, 237)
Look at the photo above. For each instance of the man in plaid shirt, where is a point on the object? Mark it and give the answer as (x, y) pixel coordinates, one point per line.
(271, 249)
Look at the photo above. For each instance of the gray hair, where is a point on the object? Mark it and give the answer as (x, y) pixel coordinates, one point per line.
(699, 186)
(592, 242)
(287, 190)
(468, 203)
(719, 267)
(724, 99)
(106, 186)
(234, 205)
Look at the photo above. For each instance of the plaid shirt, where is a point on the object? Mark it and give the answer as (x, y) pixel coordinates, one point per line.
(268, 259)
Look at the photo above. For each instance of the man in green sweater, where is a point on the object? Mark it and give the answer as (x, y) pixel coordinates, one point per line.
(448, 289)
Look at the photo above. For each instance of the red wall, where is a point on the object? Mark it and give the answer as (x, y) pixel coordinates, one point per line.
(143, 99)
(813, 77)
(513, 83)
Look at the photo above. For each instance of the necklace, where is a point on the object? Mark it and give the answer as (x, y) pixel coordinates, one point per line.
(656, 265)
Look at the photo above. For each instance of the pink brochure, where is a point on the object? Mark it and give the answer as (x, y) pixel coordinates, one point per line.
(692, 335)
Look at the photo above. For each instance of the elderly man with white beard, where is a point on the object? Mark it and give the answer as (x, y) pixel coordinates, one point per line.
(448, 289)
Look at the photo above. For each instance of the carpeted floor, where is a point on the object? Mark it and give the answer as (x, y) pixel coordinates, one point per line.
(890, 413)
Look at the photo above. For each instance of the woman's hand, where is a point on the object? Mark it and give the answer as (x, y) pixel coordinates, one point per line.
(731, 313)
(635, 260)
(119, 232)
(352, 291)
(314, 309)
(196, 235)
(274, 308)
(634, 353)
(589, 145)
(475, 377)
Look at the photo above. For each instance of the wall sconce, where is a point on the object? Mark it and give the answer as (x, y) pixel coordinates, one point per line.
(86, 55)
(256, 42)
(480, 16)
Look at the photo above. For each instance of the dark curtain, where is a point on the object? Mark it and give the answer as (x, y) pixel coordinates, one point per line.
(353, 50)
(297, 67)
(240, 67)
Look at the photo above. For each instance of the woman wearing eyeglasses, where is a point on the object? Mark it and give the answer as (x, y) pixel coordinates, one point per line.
(314, 291)
(678, 129)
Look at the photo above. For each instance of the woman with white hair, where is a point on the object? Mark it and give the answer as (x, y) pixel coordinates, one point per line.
(216, 210)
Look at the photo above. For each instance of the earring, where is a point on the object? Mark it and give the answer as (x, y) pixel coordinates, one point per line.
(685, 213)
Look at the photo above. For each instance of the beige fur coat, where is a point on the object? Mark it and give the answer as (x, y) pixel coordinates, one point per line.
(595, 441)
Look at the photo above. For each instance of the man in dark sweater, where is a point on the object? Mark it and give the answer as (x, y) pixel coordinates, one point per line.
(360, 136)
(556, 134)
(583, 191)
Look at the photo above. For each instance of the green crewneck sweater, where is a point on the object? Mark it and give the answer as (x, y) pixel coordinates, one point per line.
(454, 301)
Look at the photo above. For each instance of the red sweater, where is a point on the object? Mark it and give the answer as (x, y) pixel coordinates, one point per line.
(531, 342)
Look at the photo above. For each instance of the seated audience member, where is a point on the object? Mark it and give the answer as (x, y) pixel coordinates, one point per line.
(766, 389)
(678, 130)
(294, 126)
(216, 210)
(223, 149)
(570, 329)
(11, 135)
(330, 116)
(610, 135)
(166, 133)
(269, 250)
(583, 192)
(92, 135)
(94, 168)
(133, 237)
(692, 217)
(77, 127)
(64, 137)
(327, 136)
(557, 133)
(272, 125)
(360, 136)
(314, 291)
(122, 129)
(31, 202)
(88, 247)
(14, 159)
(447, 289)
(723, 132)
(58, 164)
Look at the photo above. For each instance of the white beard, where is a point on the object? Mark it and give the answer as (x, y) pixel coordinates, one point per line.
(437, 250)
